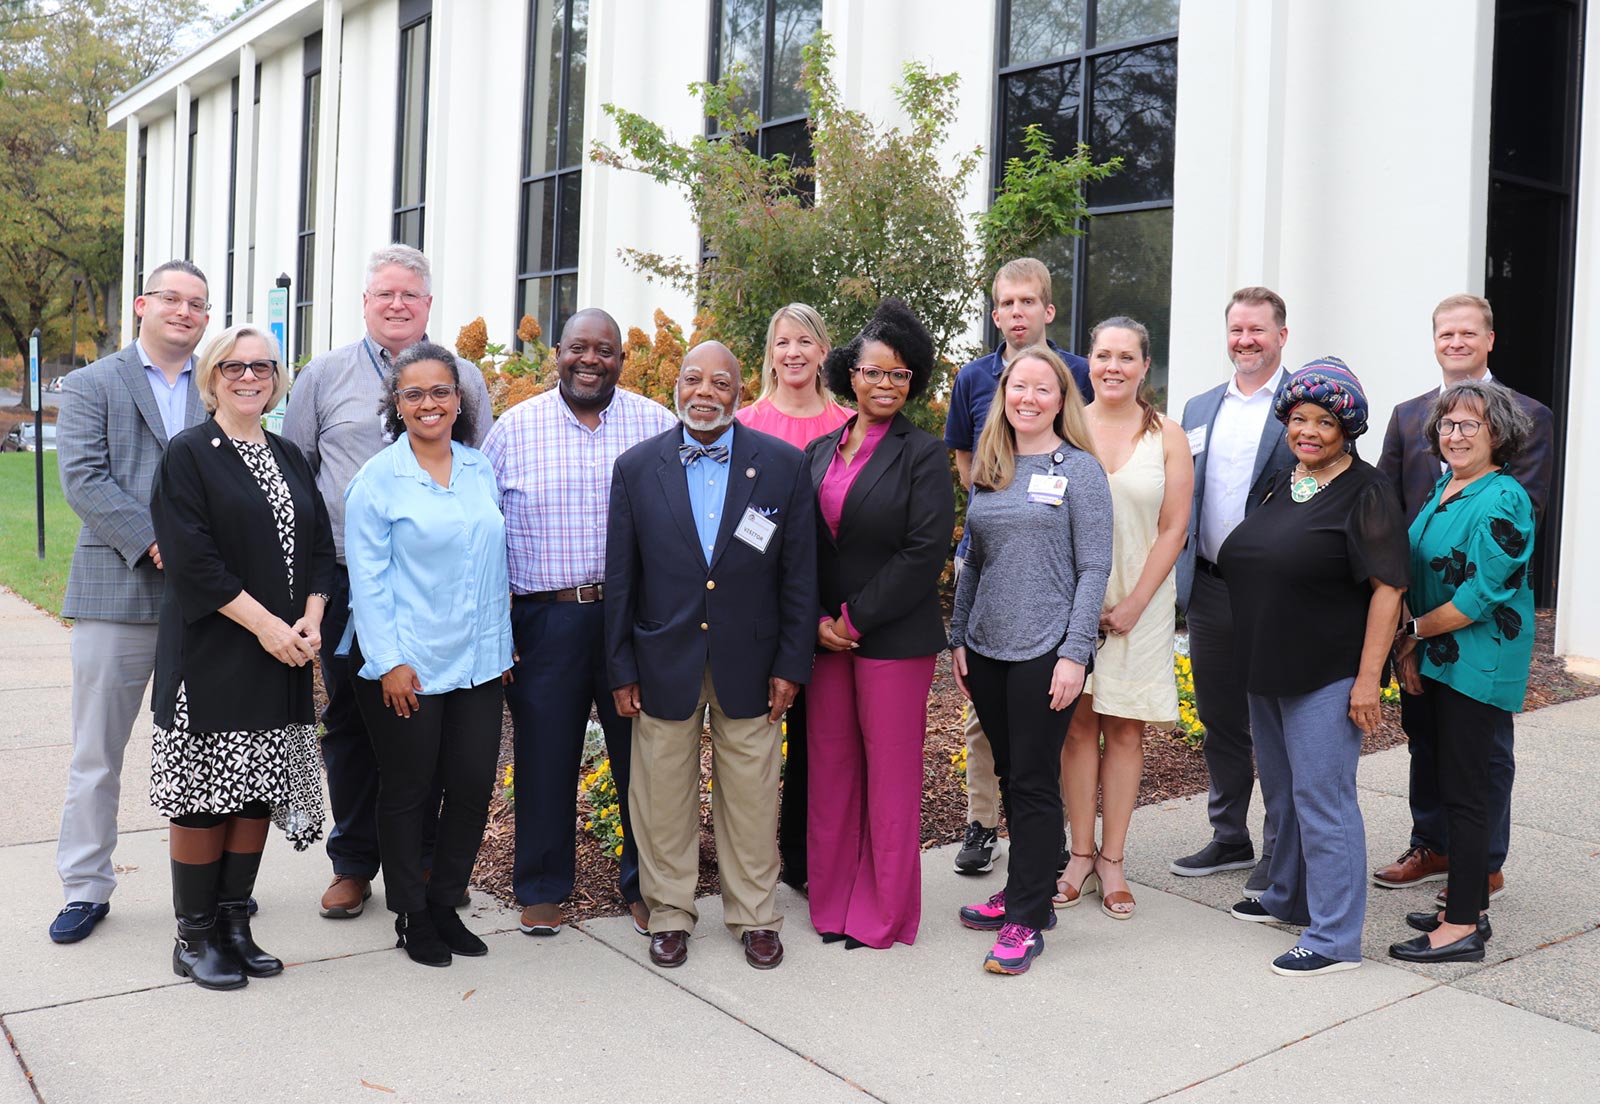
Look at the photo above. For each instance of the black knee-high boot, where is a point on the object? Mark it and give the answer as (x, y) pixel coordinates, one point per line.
(199, 953)
(241, 859)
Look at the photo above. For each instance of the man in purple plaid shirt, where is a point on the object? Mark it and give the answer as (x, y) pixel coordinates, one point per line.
(553, 456)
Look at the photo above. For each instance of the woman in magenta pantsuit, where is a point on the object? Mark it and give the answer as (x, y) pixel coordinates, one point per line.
(886, 512)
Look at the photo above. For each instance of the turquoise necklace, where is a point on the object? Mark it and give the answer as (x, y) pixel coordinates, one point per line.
(1306, 486)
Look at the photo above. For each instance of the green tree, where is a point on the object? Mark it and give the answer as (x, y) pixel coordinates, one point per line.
(878, 212)
(61, 171)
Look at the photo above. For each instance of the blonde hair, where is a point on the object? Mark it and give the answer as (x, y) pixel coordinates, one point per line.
(221, 347)
(1452, 302)
(1022, 271)
(807, 318)
(994, 464)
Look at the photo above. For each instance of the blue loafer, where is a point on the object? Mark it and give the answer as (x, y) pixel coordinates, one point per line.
(77, 920)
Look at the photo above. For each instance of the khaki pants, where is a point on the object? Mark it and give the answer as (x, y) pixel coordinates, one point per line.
(983, 787)
(664, 802)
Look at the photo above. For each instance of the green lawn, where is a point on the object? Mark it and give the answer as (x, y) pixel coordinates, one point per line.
(42, 582)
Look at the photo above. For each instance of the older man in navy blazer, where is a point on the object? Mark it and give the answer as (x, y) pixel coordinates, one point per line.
(1463, 337)
(1238, 447)
(711, 603)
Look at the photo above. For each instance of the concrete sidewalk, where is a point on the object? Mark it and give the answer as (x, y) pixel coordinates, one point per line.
(1177, 1004)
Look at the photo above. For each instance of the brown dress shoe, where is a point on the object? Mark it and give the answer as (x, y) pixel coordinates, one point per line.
(1419, 864)
(1497, 886)
(541, 919)
(641, 916)
(669, 948)
(346, 897)
(762, 948)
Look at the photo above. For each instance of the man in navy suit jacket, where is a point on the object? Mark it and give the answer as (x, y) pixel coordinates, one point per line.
(1238, 448)
(711, 601)
(1463, 336)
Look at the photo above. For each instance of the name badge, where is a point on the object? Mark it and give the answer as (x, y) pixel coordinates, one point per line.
(1197, 440)
(1048, 489)
(755, 530)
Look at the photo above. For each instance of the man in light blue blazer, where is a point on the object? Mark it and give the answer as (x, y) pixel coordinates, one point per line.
(115, 419)
(1238, 447)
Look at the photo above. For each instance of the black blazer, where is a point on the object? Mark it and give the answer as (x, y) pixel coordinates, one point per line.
(750, 615)
(894, 538)
(218, 537)
(1413, 471)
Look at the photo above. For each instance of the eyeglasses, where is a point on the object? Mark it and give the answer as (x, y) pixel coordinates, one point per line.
(409, 298)
(172, 299)
(235, 369)
(413, 395)
(1468, 428)
(900, 377)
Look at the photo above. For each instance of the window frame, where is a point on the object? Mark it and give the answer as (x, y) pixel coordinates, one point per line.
(1085, 58)
(554, 178)
(306, 231)
(141, 197)
(413, 15)
(233, 206)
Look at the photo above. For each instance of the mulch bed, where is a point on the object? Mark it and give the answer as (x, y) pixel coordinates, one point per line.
(1172, 769)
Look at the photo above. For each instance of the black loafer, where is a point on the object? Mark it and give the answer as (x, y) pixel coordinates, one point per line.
(1466, 949)
(1429, 921)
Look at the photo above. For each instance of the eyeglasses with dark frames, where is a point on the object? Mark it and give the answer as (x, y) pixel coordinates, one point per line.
(900, 377)
(235, 369)
(1468, 428)
(172, 299)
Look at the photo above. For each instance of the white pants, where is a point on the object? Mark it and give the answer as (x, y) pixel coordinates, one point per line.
(112, 662)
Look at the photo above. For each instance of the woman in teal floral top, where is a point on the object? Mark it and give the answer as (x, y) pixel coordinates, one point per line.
(1467, 651)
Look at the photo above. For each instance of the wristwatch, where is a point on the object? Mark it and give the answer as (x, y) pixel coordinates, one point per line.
(1410, 628)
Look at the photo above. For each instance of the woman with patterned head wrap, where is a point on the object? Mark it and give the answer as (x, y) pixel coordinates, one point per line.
(1315, 579)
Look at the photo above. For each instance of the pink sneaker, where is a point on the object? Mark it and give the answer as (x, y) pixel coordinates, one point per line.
(1015, 950)
(991, 915)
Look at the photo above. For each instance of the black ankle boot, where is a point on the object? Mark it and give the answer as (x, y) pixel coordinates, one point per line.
(199, 952)
(454, 933)
(235, 882)
(420, 939)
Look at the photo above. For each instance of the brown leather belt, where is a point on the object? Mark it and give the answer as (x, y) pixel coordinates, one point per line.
(583, 595)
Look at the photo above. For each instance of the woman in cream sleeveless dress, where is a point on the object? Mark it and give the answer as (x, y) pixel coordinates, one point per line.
(1147, 461)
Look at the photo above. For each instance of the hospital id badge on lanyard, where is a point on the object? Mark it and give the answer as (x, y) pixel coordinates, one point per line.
(1049, 488)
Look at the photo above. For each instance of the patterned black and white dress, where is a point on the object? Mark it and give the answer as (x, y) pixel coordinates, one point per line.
(222, 772)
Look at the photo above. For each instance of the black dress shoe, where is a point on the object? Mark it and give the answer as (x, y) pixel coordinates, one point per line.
(1468, 948)
(831, 937)
(669, 948)
(1429, 921)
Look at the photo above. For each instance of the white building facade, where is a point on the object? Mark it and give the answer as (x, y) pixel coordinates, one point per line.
(1364, 158)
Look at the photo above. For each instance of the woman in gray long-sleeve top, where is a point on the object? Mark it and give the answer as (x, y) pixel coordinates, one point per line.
(1027, 615)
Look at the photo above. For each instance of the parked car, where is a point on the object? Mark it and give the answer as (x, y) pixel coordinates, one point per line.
(20, 439)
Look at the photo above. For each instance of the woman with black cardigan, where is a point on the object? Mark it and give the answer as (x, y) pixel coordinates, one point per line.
(885, 510)
(248, 556)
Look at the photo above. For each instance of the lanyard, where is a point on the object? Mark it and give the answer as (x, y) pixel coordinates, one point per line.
(366, 345)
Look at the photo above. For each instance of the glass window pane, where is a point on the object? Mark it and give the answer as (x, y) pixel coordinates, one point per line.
(408, 227)
(535, 299)
(544, 85)
(413, 108)
(1532, 92)
(1044, 29)
(739, 38)
(572, 154)
(793, 141)
(566, 304)
(1048, 97)
(538, 226)
(1060, 257)
(1125, 20)
(794, 24)
(1135, 103)
(306, 270)
(569, 185)
(308, 172)
(1130, 273)
(302, 327)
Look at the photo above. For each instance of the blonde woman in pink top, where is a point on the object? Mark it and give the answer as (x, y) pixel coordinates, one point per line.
(794, 406)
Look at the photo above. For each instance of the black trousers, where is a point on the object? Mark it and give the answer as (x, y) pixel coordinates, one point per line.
(1429, 821)
(346, 749)
(449, 744)
(1461, 731)
(1025, 735)
(792, 809)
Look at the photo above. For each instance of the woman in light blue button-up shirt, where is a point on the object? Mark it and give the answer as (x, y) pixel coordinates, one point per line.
(431, 626)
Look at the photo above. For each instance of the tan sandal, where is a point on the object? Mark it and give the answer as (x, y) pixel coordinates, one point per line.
(1068, 894)
(1112, 903)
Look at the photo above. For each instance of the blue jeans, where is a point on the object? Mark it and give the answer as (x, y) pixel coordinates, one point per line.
(1307, 748)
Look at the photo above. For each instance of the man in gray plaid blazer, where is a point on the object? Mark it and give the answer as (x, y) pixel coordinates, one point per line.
(115, 419)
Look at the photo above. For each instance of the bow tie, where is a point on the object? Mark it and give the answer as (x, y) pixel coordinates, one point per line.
(690, 453)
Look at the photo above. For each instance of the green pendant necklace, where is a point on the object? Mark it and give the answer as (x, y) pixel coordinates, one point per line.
(1306, 487)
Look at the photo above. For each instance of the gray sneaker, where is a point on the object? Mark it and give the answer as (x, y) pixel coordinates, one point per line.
(979, 849)
(1214, 858)
(1259, 879)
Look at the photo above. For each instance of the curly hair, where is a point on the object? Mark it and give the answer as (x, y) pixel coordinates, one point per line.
(465, 427)
(1509, 425)
(896, 325)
